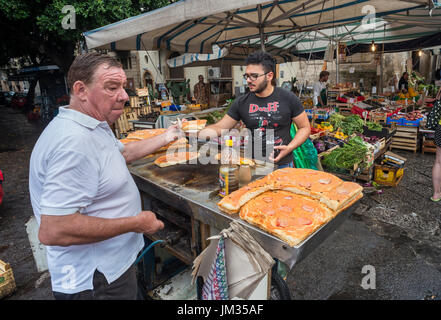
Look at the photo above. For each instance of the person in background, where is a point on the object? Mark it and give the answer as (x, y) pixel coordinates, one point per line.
(84, 198)
(403, 84)
(264, 108)
(201, 91)
(436, 170)
(320, 92)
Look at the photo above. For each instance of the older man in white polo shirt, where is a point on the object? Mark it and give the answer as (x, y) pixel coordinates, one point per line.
(83, 196)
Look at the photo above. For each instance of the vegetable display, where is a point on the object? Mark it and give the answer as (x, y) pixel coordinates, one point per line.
(374, 126)
(348, 125)
(346, 156)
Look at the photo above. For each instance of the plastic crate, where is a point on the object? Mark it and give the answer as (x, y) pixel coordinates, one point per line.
(398, 122)
(410, 123)
(388, 176)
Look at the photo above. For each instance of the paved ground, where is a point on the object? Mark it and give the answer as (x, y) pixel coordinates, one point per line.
(397, 233)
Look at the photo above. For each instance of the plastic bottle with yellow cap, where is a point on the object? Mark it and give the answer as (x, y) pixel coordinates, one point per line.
(228, 172)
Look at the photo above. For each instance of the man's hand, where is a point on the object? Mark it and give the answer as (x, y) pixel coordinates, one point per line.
(284, 151)
(147, 223)
(173, 133)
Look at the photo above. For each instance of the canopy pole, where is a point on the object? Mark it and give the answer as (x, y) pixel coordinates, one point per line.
(262, 39)
(261, 31)
(337, 64)
(382, 62)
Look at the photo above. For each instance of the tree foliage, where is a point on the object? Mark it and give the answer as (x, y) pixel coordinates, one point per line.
(33, 28)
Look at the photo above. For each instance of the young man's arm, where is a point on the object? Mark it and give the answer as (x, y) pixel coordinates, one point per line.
(214, 130)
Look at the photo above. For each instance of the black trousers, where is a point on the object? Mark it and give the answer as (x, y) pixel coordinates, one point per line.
(124, 288)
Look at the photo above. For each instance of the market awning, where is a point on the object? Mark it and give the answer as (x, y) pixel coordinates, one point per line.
(229, 55)
(415, 29)
(195, 26)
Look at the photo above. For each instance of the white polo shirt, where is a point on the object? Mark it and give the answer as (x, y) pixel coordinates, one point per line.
(77, 165)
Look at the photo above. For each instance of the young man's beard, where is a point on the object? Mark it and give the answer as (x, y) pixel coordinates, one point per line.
(261, 87)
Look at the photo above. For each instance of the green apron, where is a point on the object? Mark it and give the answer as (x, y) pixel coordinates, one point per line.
(324, 96)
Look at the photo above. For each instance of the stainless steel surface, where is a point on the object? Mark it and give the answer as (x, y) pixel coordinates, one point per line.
(193, 189)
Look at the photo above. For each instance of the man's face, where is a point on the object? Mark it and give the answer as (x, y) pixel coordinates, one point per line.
(261, 82)
(106, 95)
(201, 79)
(406, 76)
(325, 78)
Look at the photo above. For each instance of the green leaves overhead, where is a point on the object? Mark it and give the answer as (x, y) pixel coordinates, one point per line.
(31, 28)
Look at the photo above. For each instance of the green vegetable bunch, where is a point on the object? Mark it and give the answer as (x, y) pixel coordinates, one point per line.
(374, 126)
(346, 157)
(348, 125)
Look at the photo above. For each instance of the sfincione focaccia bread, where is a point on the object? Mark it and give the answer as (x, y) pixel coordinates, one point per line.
(174, 158)
(145, 133)
(321, 186)
(288, 216)
(327, 188)
(180, 143)
(193, 125)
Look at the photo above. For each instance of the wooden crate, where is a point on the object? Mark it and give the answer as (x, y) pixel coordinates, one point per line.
(135, 102)
(122, 125)
(405, 138)
(146, 110)
(378, 117)
(131, 116)
(7, 281)
(428, 145)
(344, 108)
(365, 176)
(142, 92)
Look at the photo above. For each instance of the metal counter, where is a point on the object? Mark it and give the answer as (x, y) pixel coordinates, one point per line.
(193, 189)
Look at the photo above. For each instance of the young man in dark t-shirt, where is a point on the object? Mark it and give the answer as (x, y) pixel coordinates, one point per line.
(266, 107)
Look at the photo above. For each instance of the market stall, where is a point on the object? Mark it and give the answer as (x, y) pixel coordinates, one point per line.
(355, 142)
(186, 198)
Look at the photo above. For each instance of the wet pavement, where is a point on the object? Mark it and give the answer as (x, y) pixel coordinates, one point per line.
(395, 235)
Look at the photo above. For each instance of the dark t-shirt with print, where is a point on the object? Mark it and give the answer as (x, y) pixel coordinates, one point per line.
(273, 112)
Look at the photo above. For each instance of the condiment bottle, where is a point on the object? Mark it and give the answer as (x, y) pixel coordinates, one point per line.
(244, 174)
(228, 173)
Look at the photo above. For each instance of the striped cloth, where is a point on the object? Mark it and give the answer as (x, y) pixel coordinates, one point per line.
(216, 284)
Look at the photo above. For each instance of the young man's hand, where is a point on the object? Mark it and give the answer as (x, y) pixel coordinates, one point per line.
(279, 153)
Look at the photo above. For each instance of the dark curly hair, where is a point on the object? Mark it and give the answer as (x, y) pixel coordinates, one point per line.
(264, 59)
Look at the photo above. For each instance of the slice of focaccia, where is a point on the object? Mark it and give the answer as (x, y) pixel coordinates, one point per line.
(145, 133)
(180, 143)
(175, 158)
(193, 125)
